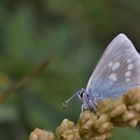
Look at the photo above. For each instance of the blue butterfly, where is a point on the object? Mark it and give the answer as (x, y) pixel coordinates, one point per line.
(117, 71)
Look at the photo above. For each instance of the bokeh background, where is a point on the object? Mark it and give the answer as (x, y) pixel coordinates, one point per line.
(77, 32)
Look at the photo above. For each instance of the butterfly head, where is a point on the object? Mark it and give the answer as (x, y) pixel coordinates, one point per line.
(89, 102)
(80, 94)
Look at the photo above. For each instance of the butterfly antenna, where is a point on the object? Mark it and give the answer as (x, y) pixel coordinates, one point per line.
(65, 104)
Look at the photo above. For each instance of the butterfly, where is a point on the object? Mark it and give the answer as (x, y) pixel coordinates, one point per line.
(117, 71)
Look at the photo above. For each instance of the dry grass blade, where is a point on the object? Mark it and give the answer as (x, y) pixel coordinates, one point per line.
(26, 79)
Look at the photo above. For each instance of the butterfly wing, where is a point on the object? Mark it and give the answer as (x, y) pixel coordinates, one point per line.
(117, 71)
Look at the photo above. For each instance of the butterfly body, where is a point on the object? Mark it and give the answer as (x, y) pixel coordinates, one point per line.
(117, 71)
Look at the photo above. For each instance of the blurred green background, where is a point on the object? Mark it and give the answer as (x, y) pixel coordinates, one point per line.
(78, 32)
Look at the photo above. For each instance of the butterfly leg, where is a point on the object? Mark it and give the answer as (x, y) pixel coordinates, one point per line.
(93, 104)
(84, 107)
(94, 108)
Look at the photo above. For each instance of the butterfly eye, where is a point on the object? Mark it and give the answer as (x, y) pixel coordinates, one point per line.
(81, 94)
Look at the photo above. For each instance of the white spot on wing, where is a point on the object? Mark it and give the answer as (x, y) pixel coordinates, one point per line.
(115, 66)
(130, 66)
(127, 80)
(128, 73)
(110, 64)
(113, 77)
(129, 60)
